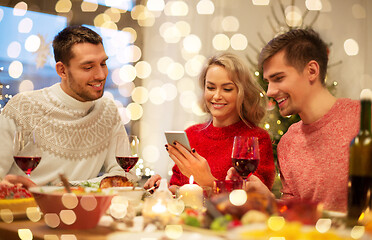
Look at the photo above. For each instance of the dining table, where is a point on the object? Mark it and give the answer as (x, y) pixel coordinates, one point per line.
(40, 231)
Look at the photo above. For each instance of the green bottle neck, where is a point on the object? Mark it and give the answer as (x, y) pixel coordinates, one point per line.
(365, 116)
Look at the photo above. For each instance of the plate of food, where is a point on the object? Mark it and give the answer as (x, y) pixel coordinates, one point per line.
(14, 202)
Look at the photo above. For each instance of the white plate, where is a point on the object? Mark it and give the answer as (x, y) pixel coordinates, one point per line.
(159, 236)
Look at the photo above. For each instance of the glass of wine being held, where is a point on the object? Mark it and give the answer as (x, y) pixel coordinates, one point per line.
(245, 155)
(127, 156)
(26, 152)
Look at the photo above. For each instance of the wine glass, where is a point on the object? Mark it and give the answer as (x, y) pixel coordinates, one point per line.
(26, 152)
(245, 155)
(127, 156)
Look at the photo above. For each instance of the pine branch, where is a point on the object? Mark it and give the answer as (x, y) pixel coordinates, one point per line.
(334, 64)
(271, 25)
(303, 18)
(315, 18)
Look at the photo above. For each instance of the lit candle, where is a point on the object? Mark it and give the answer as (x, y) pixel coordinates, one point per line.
(192, 194)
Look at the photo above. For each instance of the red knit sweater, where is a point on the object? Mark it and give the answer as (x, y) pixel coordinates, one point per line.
(215, 145)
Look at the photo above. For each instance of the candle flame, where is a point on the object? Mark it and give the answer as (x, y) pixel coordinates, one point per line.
(191, 181)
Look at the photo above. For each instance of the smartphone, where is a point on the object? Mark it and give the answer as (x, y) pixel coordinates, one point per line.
(178, 136)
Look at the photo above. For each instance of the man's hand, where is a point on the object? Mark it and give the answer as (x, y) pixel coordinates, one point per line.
(20, 181)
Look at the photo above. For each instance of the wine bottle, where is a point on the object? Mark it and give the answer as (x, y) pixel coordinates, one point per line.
(360, 163)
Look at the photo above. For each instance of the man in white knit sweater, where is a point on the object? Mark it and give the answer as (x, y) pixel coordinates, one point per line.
(75, 126)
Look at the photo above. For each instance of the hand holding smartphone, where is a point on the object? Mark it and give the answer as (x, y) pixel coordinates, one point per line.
(178, 136)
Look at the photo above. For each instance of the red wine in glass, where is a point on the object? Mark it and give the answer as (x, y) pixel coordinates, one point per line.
(245, 167)
(26, 152)
(245, 155)
(27, 164)
(127, 163)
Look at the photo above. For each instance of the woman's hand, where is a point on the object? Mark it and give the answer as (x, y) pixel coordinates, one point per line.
(153, 181)
(191, 163)
(253, 183)
(20, 181)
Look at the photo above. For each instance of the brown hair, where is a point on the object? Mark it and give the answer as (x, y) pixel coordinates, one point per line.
(300, 46)
(251, 101)
(68, 37)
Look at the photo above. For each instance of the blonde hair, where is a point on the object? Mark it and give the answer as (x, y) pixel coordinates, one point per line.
(251, 102)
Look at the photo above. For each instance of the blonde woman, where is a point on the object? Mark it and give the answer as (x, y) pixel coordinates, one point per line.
(236, 107)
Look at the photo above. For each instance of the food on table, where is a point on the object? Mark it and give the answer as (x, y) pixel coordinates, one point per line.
(115, 181)
(193, 218)
(254, 216)
(15, 198)
(255, 201)
(290, 231)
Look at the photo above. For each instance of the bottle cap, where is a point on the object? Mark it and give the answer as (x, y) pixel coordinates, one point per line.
(366, 94)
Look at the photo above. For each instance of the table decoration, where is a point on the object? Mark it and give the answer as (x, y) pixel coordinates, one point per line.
(192, 194)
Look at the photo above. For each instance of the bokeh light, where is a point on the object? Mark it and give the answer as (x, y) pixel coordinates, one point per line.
(20, 9)
(25, 25)
(323, 225)
(69, 200)
(114, 14)
(275, 223)
(52, 220)
(132, 32)
(150, 153)
(88, 202)
(155, 5)
(176, 8)
(6, 215)
(260, 2)
(89, 6)
(136, 111)
(230, 24)
(183, 27)
(32, 43)
(173, 231)
(205, 7)
(140, 95)
(63, 6)
(68, 217)
(357, 232)
(25, 234)
(239, 42)
(143, 69)
(100, 19)
(221, 42)
(136, 11)
(163, 64)
(194, 65)
(293, 16)
(192, 43)
(127, 73)
(175, 71)
(15, 69)
(26, 85)
(351, 47)
(170, 91)
(126, 89)
(14, 49)
(33, 213)
(238, 197)
(157, 95)
(313, 5)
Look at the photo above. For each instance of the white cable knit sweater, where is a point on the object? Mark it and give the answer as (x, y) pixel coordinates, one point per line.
(77, 138)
